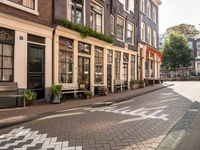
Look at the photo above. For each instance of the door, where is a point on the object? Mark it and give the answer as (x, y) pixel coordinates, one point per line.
(109, 77)
(36, 70)
(84, 71)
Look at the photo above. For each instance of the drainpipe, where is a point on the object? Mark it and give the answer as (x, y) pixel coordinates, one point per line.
(53, 25)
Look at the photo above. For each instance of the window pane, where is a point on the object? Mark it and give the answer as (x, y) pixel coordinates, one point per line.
(98, 23)
(35, 59)
(7, 50)
(1, 49)
(7, 62)
(26, 3)
(7, 75)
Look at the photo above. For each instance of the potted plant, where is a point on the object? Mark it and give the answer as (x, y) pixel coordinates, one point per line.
(82, 85)
(88, 94)
(55, 92)
(142, 84)
(29, 96)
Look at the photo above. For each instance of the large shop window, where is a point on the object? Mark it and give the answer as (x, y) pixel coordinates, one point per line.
(120, 28)
(76, 9)
(117, 65)
(98, 65)
(130, 33)
(132, 67)
(65, 60)
(27, 3)
(96, 17)
(6, 55)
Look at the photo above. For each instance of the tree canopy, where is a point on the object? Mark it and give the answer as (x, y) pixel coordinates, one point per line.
(176, 52)
(184, 29)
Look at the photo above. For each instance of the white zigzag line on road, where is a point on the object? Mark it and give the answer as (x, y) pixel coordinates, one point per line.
(142, 112)
(36, 139)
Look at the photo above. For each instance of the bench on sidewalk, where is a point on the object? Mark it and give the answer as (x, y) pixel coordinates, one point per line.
(72, 89)
(120, 85)
(10, 90)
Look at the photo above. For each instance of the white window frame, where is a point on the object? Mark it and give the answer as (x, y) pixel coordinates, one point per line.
(154, 39)
(149, 9)
(84, 9)
(129, 5)
(142, 31)
(21, 7)
(154, 14)
(112, 19)
(93, 1)
(142, 6)
(133, 32)
(149, 32)
(123, 29)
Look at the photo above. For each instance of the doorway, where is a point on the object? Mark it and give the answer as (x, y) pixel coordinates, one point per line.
(84, 71)
(36, 69)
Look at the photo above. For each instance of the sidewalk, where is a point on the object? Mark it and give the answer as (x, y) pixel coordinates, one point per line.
(185, 134)
(15, 116)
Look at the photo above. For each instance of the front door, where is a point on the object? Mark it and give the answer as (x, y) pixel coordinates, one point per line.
(109, 77)
(36, 70)
(84, 71)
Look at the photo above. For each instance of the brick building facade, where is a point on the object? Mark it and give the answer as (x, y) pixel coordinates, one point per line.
(65, 56)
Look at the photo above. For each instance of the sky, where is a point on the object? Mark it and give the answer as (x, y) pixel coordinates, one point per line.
(174, 12)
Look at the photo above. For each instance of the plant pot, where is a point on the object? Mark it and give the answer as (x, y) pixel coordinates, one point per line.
(28, 103)
(55, 99)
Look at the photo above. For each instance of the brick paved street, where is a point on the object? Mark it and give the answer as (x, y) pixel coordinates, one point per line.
(140, 123)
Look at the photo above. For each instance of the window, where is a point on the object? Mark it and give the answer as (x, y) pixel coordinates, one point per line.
(149, 35)
(117, 65)
(120, 28)
(198, 53)
(6, 55)
(132, 67)
(96, 17)
(27, 3)
(130, 33)
(98, 65)
(75, 13)
(149, 9)
(84, 48)
(112, 24)
(198, 45)
(65, 60)
(154, 14)
(126, 5)
(132, 5)
(142, 32)
(155, 39)
(110, 56)
(142, 6)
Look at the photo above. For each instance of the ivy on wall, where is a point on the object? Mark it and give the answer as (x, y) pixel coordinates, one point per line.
(85, 30)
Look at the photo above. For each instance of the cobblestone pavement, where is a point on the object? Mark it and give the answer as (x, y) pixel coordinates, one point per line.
(140, 123)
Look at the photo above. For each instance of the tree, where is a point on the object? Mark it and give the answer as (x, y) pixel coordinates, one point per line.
(176, 52)
(184, 29)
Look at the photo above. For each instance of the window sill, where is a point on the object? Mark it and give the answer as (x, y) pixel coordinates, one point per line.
(20, 7)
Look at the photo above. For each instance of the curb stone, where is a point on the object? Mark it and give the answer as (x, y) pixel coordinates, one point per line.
(180, 128)
(25, 119)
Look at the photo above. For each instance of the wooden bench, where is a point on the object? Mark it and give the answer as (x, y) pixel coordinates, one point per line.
(72, 89)
(10, 90)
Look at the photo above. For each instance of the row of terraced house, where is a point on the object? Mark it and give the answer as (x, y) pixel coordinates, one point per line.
(41, 45)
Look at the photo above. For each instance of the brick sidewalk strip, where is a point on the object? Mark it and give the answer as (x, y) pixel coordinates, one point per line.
(15, 116)
(185, 134)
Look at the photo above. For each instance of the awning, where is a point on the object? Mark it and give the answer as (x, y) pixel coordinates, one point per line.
(155, 51)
